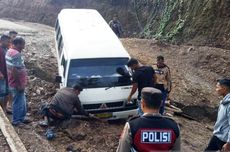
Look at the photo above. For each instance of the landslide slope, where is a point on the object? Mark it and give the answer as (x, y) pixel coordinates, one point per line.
(194, 71)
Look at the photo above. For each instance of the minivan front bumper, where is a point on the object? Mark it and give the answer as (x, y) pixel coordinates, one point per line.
(123, 114)
(124, 110)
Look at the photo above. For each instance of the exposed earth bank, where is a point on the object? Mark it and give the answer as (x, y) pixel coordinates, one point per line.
(204, 22)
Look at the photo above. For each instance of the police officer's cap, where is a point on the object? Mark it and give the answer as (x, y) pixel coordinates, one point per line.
(152, 97)
(150, 90)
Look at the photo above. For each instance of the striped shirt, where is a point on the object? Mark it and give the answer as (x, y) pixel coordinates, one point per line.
(15, 61)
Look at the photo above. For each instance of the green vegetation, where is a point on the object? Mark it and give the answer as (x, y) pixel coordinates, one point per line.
(171, 21)
(169, 8)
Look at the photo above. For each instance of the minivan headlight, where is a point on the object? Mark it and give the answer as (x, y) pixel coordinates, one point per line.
(131, 103)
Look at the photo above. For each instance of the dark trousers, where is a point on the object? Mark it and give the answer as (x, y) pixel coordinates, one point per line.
(55, 119)
(215, 144)
(164, 94)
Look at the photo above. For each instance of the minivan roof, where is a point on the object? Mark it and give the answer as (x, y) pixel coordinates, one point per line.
(86, 34)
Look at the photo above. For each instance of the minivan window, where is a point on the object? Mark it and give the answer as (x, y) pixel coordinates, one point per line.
(57, 25)
(63, 63)
(97, 73)
(58, 33)
(60, 46)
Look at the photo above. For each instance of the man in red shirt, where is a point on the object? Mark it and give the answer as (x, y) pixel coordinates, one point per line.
(12, 34)
(17, 78)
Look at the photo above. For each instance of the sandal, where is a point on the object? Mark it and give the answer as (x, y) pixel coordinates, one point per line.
(43, 123)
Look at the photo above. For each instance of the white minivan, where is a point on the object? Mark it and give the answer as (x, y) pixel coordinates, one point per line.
(90, 54)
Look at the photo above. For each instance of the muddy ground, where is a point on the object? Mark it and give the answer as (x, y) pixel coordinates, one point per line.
(194, 71)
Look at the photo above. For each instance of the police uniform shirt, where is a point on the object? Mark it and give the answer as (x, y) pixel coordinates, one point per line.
(163, 77)
(156, 138)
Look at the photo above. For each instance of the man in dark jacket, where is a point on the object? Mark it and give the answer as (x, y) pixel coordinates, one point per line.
(116, 26)
(221, 134)
(152, 131)
(63, 105)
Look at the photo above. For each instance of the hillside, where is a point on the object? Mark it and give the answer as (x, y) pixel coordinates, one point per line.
(203, 22)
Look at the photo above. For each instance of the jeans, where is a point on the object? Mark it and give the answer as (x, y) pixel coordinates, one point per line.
(19, 106)
(140, 112)
(3, 89)
(165, 95)
(215, 144)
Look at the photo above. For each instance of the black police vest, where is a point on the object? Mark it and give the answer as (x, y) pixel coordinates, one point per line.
(153, 133)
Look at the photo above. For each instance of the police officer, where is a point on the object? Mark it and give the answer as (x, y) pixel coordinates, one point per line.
(152, 131)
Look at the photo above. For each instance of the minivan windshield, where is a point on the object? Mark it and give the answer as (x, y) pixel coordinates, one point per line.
(97, 73)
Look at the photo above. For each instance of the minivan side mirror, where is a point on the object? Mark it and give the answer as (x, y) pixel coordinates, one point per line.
(122, 72)
(58, 79)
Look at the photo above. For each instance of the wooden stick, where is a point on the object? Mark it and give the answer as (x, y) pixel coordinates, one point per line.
(209, 128)
(184, 115)
(173, 110)
(10, 134)
(174, 107)
(83, 117)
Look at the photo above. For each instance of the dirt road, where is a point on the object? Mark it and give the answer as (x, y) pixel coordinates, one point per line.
(194, 70)
(3, 143)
